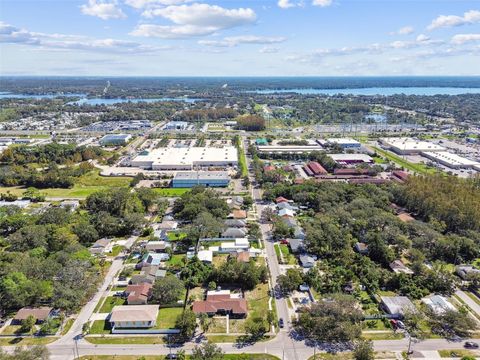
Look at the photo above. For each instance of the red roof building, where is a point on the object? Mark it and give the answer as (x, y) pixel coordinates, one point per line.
(268, 168)
(280, 199)
(221, 302)
(138, 294)
(316, 168)
(400, 175)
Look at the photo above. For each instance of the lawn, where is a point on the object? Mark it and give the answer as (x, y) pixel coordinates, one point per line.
(458, 353)
(171, 191)
(12, 330)
(376, 325)
(473, 297)
(242, 160)
(161, 357)
(116, 250)
(417, 168)
(176, 236)
(176, 260)
(100, 327)
(219, 259)
(110, 302)
(167, 316)
(6, 341)
(218, 326)
(290, 259)
(67, 326)
(140, 340)
(382, 336)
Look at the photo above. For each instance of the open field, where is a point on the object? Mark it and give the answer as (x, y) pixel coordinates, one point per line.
(110, 302)
(137, 340)
(167, 317)
(160, 357)
(417, 168)
(171, 191)
(16, 341)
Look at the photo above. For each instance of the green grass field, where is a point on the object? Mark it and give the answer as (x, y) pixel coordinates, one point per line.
(100, 327)
(168, 192)
(15, 341)
(417, 168)
(167, 316)
(110, 302)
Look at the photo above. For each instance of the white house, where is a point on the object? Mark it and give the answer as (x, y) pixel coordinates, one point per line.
(205, 256)
(134, 316)
(438, 304)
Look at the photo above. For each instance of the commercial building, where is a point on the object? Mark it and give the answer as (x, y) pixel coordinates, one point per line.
(409, 146)
(347, 159)
(344, 143)
(450, 160)
(176, 125)
(288, 149)
(205, 178)
(115, 139)
(186, 158)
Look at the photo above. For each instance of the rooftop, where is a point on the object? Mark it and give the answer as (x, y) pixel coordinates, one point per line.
(194, 175)
(134, 313)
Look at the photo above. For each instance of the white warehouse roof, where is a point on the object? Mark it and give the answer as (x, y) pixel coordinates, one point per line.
(449, 159)
(410, 144)
(186, 158)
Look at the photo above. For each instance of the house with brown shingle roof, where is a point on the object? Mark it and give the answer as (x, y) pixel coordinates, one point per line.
(138, 294)
(221, 302)
(239, 214)
(39, 313)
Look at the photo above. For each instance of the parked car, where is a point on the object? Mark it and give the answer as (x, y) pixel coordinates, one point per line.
(284, 242)
(470, 345)
(281, 323)
(171, 356)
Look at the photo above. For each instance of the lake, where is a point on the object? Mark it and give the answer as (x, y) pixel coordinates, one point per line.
(385, 91)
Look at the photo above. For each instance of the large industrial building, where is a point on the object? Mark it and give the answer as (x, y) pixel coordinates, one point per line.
(115, 139)
(344, 143)
(176, 125)
(186, 158)
(190, 179)
(347, 159)
(288, 149)
(409, 146)
(450, 160)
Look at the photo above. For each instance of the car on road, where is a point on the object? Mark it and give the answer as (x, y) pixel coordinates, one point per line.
(471, 345)
(171, 356)
(281, 323)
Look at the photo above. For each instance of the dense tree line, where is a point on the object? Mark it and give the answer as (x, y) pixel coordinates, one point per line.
(206, 114)
(251, 123)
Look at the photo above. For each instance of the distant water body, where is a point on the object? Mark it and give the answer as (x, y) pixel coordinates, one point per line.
(384, 91)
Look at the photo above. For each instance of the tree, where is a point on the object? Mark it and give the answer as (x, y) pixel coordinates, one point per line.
(205, 322)
(364, 350)
(255, 327)
(167, 290)
(336, 319)
(207, 351)
(28, 325)
(413, 320)
(186, 323)
(290, 281)
(451, 323)
(38, 352)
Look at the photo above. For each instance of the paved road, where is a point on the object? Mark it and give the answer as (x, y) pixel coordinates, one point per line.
(467, 300)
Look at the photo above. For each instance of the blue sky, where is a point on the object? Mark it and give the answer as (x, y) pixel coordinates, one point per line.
(236, 38)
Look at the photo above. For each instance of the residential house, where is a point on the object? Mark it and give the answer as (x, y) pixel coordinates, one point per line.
(307, 261)
(438, 304)
(154, 259)
(361, 248)
(167, 225)
(235, 223)
(281, 199)
(298, 233)
(398, 266)
(397, 305)
(286, 213)
(232, 246)
(235, 202)
(241, 256)
(290, 222)
(134, 316)
(157, 246)
(296, 245)
(234, 233)
(466, 271)
(70, 204)
(138, 294)
(239, 214)
(161, 234)
(221, 302)
(101, 246)
(39, 313)
(148, 275)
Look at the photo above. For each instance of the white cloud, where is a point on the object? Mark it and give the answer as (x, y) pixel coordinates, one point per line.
(140, 4)
(469, 17)
(245, 39)
(194, 20)
(286, 4)
(422, 38)
(12, 35)
(461, 39)
(103, 9)
(406, 30)
(322, 3)
(269, 50)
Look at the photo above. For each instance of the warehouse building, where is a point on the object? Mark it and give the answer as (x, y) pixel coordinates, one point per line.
(115, 139)
(190, 179)
(409, 146)
(344, 143)
(347, 159)
(288, 149)
(450, 160)
(186, 158)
